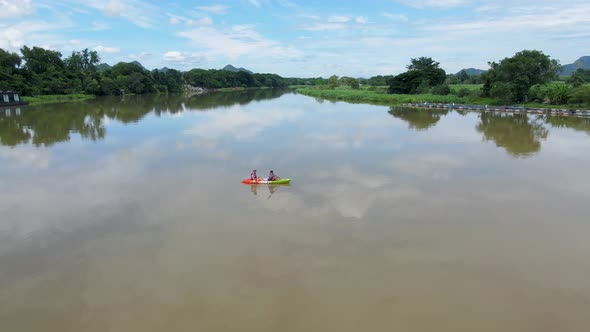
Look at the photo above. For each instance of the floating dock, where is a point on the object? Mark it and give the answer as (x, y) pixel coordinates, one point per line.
(506, 109)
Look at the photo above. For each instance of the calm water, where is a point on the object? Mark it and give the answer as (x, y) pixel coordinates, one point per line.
(130, 216)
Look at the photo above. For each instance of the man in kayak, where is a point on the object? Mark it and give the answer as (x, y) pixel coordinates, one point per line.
(272, 176)
(253, 175)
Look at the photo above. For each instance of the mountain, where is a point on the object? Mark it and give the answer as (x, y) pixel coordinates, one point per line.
(472, 71)
(138, 64)
(235, 70)
(102, 67)
(568, 70)
(164, 70)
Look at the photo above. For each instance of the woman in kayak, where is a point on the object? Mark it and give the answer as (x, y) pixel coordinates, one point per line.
(253, 175)
(272, 176)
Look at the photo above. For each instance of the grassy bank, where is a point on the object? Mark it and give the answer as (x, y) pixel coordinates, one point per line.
(375, 95)
(50, 99)
(379, 96)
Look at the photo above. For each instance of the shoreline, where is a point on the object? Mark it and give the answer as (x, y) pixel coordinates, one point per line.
(364, 96)
(54, 99)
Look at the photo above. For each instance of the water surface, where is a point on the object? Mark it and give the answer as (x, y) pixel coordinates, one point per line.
(129, 215)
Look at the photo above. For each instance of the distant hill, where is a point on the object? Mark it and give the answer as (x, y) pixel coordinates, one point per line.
(164, 70)
(583, 62)
(102, 67)
(472, 71)
(138, 64)
(235, 70)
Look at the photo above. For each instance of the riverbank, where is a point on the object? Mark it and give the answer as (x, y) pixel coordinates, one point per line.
(379, 95)
(52, 99)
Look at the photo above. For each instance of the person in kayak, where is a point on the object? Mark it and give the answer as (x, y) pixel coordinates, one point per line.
(272, 176)
(253, 175)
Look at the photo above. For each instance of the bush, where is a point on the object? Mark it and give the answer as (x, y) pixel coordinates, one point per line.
(442, 90)
(558, 93)
(463, 92)
(580, 95)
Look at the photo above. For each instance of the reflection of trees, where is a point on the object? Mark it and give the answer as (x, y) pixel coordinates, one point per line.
(579, 124)
(49, 124)
(418, 119)
(519, 136)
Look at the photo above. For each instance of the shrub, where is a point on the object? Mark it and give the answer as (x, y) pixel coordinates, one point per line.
(580, 95)
(442, 90)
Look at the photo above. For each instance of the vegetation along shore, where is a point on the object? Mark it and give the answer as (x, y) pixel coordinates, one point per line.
(529, 78)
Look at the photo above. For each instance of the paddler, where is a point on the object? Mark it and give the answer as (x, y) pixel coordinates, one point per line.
(272, 176)
(253, 175)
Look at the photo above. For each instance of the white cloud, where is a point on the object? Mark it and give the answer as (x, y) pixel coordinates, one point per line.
(487, 8)
(13, 9)
(255, 3)
(324, 27)
(239, 40)
(106, 49)
(138, 12)
(214, 9)
(205, 21)
(29, 33)
(420, 4)
(361, 19)
(140, 56)
(100, 26)
(395, 17)
(338, 19)
(183, 58)
(173, 20)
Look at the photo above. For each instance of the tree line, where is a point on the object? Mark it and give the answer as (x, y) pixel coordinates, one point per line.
(527, 76)
(39, 71)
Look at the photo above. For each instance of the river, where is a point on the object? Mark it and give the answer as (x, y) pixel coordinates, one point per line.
(129, 215)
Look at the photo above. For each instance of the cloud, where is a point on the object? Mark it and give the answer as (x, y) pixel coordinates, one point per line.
(137, 12)
(106, 49)
(183, 58)
(361, 19)
(99, 26)
(255, 3)
(395, 17)
(12, 9)
(214, 9)
(176, 19)
(29, 33)
(205, 21)
(421, 4)
(324, 27)
(238, 41)
(338, 19)
(140, 56)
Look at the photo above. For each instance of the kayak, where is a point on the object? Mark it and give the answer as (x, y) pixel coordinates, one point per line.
(263, 180)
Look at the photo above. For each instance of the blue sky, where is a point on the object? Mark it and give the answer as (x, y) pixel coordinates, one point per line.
(300, 38)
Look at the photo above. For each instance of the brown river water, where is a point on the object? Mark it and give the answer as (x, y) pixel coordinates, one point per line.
(129, 215)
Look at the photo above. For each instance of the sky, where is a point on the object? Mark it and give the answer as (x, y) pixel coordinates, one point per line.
(296, 38)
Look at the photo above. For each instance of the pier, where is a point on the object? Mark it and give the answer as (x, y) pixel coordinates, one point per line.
(505, 109)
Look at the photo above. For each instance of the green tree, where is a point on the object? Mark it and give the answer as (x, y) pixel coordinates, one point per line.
(579, 77)
(462, 76)
(333, 82)
(503, 91)
(423, 73)
(559, 93)
(522, 71)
